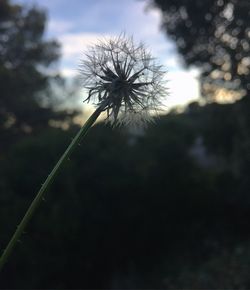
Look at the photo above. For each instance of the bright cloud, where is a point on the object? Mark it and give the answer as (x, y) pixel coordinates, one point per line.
(59, 26)
(183, 87)
(73, 47)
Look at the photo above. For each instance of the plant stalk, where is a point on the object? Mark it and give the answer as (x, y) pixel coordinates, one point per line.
(40, 195)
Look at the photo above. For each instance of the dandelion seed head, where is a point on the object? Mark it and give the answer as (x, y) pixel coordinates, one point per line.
(124, 79)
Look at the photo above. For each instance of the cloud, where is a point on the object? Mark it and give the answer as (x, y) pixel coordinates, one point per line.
(172, 62)
(69, 72)
(145, 25)
(183, 87)
(59, 26)
(73, 47)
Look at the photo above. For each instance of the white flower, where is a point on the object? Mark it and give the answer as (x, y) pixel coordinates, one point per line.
(124, 79)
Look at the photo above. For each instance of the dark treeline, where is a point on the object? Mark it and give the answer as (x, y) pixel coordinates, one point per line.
(167, 207)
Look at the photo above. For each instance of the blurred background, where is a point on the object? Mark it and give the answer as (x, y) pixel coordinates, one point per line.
(166, 207)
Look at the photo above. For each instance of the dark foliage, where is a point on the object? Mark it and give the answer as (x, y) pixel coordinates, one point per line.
(131, 211)
(214, 36)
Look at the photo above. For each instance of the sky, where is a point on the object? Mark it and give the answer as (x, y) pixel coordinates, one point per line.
(76, 24)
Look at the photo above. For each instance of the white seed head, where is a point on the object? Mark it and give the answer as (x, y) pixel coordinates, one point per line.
(124, 79)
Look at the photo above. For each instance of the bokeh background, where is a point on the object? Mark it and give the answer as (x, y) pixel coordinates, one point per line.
(166, 207)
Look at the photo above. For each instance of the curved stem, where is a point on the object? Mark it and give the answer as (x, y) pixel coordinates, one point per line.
(37, 200)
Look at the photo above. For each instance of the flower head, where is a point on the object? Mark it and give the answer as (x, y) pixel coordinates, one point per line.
(124, 79)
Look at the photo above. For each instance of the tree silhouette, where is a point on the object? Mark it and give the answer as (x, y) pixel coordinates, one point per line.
(214, 36)
(25, 66)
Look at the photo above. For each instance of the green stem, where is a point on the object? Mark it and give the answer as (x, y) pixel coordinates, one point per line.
(39, 197)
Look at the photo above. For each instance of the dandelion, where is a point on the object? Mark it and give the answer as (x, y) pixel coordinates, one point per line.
(124, 79)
